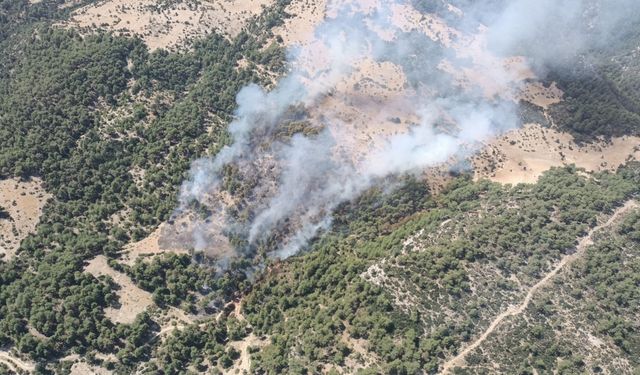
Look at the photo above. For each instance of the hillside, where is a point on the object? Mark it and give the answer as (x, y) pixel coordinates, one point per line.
(319, 187)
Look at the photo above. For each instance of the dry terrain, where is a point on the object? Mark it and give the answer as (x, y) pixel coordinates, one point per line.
(243, 364)
(369, 102)
(169, 26)
(84, 368)
(24, 201)
(154, 244)
(133, 300)
(539, 94)
(522, 155)
(372, 101)
(306, 15)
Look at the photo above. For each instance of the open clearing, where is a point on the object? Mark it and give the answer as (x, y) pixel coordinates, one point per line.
(133, 300)
(518, 309)
(243, 364)
(539, 94)
(147, 248)
(23, 201)
(168, 26)
(83, 368)
(306, 15)
(522, 155)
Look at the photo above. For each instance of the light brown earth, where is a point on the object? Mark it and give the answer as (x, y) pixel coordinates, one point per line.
(370, 101)
(403, 298)
(522, 155)
(515, 310)
(172, 27)
(306, 15)
(146, 249)
(133, 300)
(360, 349)
(16, 364)
(354, 113)
(539, 94)
(495, 76)
(84, 368)
(24, 201)
(171, 320)
(243, 364)
(367, 108)
(366, 103)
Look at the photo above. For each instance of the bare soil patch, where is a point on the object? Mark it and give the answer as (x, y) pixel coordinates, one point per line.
(168, 26)
(173, 319)
(522, 155)
(367, 108)
(156, 244)
(243, 364)
(84, 368)
(373, 101)
(133, 300)
(300, 27)
(539, 94)
(23, 201)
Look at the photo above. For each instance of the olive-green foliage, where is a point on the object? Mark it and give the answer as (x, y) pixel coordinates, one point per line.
(601, 92)
(18, 15)
(195, 344)
(631, 227)
(172, 278)
(597, 294)
(55, 89)
(308, 303)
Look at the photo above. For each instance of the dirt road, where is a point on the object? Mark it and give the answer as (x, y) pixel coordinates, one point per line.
(518, 309)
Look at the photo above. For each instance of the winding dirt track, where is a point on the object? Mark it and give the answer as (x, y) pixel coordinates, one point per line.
(518, 309)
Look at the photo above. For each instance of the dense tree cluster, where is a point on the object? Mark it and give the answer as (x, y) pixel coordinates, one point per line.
(325, 295)
(601, 93)
(591, 306)
(58, 91)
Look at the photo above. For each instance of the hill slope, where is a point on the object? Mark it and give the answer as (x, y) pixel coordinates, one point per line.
(515, 253)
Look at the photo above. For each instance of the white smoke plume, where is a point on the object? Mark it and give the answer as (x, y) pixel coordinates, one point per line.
(296, 182)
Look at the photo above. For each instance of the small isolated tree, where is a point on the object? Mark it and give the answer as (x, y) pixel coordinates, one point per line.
(4, 214)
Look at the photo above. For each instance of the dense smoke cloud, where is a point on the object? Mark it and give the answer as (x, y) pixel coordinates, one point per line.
(553, 33)
(298, 181)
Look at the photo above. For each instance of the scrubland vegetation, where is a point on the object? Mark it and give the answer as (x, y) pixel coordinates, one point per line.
(497, 233)
(83, 112)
